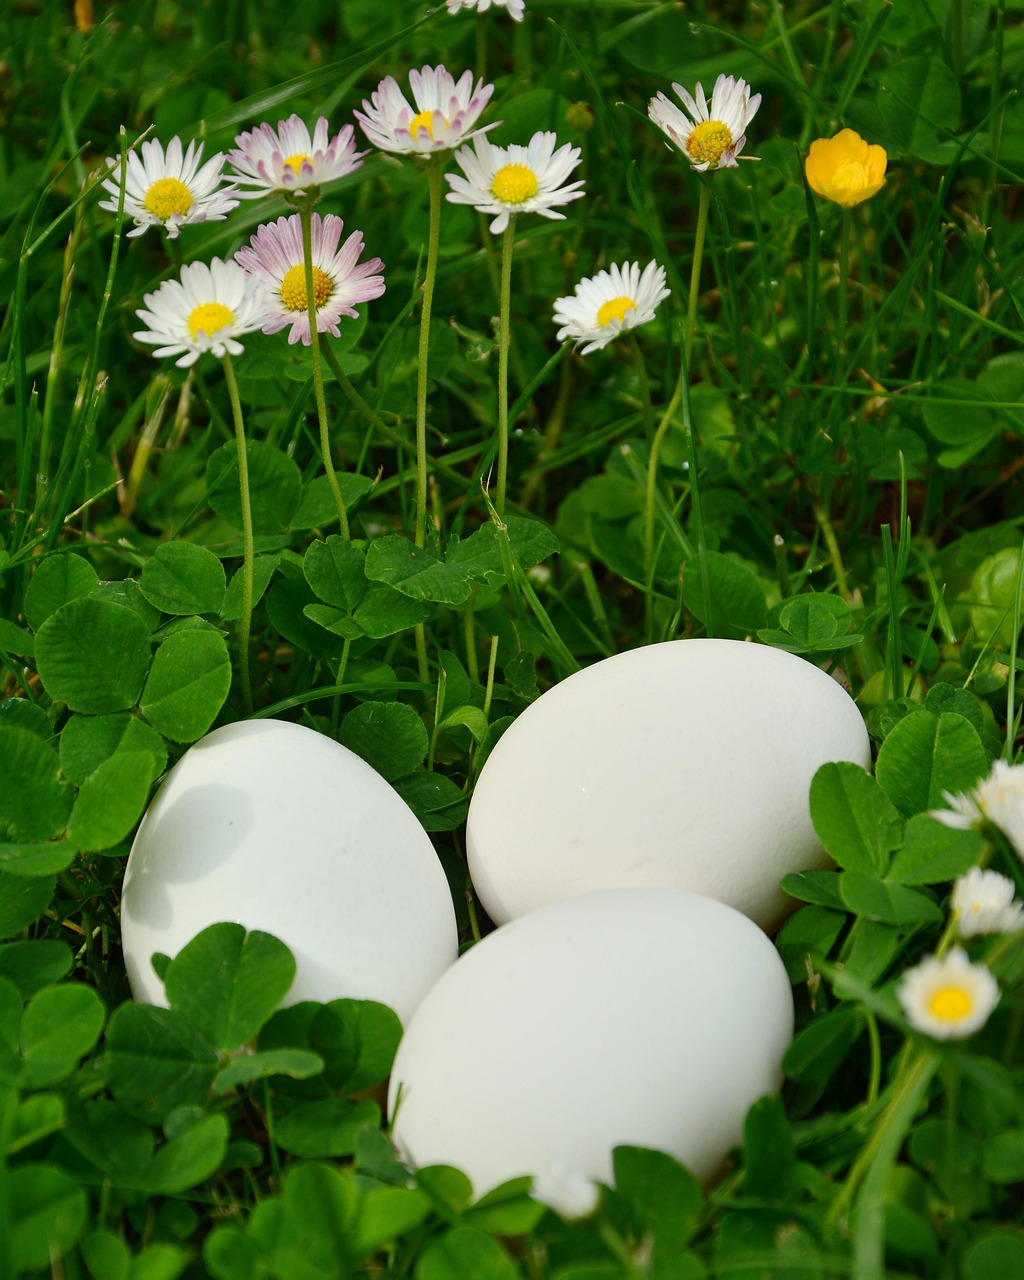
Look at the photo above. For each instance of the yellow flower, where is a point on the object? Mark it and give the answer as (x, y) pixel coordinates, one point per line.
(845, 169)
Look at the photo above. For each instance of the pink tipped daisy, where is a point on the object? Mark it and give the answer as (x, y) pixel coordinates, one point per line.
(444, 115)
(604, 306)
(169, 188)
(207, 309)
(714, 133)
(275, 261)
(516, 179)
(516, 8)
(289, 160)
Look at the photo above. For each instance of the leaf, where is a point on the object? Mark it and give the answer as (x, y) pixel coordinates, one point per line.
(34, 802)
(35, 964)
(60, 1025)
(384, 612)
(86, 742)
(111, 801)
(385, 1214)
(298, 1064)
(853, 817)
(389, 736)
(188, 1159)
(926, 755)
(156, 1061)
(263, 570)
(664, 1198)
(887, 903)
(93, 655)
(228, 983)
(14, 640)
(318, 508)
(821, 1047)
(769, 1152)
(808, 936)
(465, 1253)
(918, 97)
(41, 859)
(47, 1212)
(57, 580)
(738, 605)
(182, 578)
(334, 570)
(275, 484)
(372, 1032)
(416, 572)
(933, 853)
(329, 1127)
(335, 620)
(479, 554)
(23, 901)
(188, 684)
(435, 799)
(819, 887)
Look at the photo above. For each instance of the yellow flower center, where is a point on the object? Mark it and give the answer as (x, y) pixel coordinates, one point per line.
(167, 196)
(614, 309)
(708, 142)
(293, 287)
(209, 318)
(296, 161)
(514, 184)
(425, 120)
(950, 1004)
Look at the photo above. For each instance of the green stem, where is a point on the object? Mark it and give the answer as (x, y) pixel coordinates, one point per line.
(306, 221)
(846, 230)
(907, 1091)
(248, 560)
(651, 494)
(433, 239)
(645, 383)
(503, 340)
(698, 255)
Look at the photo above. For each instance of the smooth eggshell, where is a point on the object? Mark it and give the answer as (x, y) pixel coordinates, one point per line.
(279, 828)
(649, 1017)
(686, 764)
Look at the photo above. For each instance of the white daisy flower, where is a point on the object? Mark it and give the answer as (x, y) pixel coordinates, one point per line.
(604, 306)
(713, 134)
(169, 189)
(444, 116)
(208, 309)
(983, 902)
(275, 260)
(948, 999)
(289, 160)
(515, 179)
(516, 8)
(998, 799)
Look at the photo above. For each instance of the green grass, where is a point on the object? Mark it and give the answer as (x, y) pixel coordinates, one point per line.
(837, 473)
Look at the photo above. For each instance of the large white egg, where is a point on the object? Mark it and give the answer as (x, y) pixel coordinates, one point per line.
(649, 1017)
(279, 828)
(686, 764)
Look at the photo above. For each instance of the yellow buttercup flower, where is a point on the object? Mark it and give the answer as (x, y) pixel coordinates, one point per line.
(845, 169)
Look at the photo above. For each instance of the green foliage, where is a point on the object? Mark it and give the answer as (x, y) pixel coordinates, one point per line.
(843, 484)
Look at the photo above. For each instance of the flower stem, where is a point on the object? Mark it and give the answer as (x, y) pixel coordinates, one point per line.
(433, 240)
(645, 384)
(845, 232)
(908, 1089)
(698, 255)
(306, 221)
(503, 341)
(248, 558)
(651, 494)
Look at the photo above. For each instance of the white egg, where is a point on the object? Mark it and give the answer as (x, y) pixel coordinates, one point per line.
(279, 828)
(686, 764)
(647, 1017)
